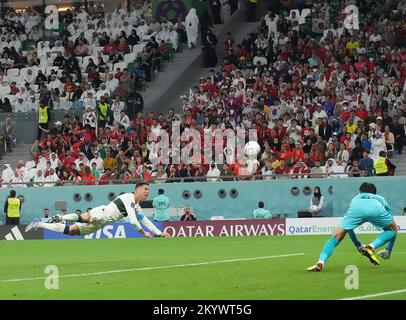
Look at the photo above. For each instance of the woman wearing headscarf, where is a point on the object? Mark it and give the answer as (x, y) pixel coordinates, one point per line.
(209, 49)
(192, 28)
(316, 203)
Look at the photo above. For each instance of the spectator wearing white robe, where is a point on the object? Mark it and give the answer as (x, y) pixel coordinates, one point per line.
(192, 27)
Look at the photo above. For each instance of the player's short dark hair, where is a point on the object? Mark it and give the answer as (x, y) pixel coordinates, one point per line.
(261, 204)
(367, 188)
(161, 191)
(141, 184)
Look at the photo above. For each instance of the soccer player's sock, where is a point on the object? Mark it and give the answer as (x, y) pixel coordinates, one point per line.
(383, 238)
(390, 245)
(328, 249)
(57, 227)
(354, 239)
(71, 217)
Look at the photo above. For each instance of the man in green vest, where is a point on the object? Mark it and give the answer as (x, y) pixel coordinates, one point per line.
(380, 166)
(43, 119)
(261, 213)
(161, 204)
(12, 208)
(102, 112)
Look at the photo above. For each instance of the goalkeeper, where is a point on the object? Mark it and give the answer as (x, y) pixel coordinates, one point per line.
(364, 207)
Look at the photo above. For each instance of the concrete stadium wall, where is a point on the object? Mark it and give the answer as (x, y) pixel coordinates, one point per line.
(276, 195)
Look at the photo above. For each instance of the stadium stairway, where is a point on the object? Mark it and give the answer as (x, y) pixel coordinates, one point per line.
(21, 151)
(186, 68)
(399, 160)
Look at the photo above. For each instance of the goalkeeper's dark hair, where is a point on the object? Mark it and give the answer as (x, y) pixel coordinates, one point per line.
(367, 188)
(141, 184)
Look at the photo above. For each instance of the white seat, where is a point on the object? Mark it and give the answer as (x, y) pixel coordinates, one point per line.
(4, 90)
(96, 50)
(24, 72)
(37, 68)
(217, 218)
(138, 47)
(121, 65)
(49, 70)
(12, 73)
(130, 57)
(391, 150)
(80, 60)
(34, 87)
(105, 58)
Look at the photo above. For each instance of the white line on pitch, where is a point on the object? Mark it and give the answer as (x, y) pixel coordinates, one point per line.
(158, 267)
(376, 295)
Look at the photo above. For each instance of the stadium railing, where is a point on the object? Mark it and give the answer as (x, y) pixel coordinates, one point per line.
(228, 178)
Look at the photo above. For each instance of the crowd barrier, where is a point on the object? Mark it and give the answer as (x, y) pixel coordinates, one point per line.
(208, 228)
(230, 199)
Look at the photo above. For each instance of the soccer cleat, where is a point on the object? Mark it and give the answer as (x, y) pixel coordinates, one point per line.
(316, 268)
(56, 219)
(384, 254)
(32, 226)
(370, 254)
(360, 248)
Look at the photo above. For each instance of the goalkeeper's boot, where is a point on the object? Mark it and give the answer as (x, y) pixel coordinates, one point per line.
(384, 254)
(370, 254)
(360, 248)
(316, 268)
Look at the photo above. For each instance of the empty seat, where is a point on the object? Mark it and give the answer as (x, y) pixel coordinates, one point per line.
(129, 57)
(12, 73)
(4, 90)
(121, 65)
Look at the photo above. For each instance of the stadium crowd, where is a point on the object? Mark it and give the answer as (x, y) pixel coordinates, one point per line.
(323, 105)
(92, 54)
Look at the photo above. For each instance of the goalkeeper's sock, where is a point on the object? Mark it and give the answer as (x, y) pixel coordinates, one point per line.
(71, 217)
(56, 227)
(390, 245)
(328, 249)
(354, 239)
(383, 238)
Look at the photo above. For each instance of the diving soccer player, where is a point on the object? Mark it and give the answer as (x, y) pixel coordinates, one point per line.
(125, 205)
(367, 206)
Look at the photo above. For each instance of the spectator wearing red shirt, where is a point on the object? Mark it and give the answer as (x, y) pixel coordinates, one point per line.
(110, 47)
(88, 179)
(283, 168)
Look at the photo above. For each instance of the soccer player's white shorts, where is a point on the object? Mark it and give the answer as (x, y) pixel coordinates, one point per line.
(99, 217)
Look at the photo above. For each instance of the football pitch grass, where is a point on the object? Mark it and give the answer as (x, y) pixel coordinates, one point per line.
(196, 268)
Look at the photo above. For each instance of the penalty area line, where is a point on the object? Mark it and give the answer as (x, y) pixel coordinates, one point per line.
(376, 295)
(157, 267)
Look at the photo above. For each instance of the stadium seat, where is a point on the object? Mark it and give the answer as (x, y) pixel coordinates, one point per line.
(129, 57)
(96, 50)
(49, 70)
(80, 60)
(24, 72)
(217, 218)
(4, 90)
(13, 73)
(121, 65)
(138, 47)
(391, 150)
(34, 87)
